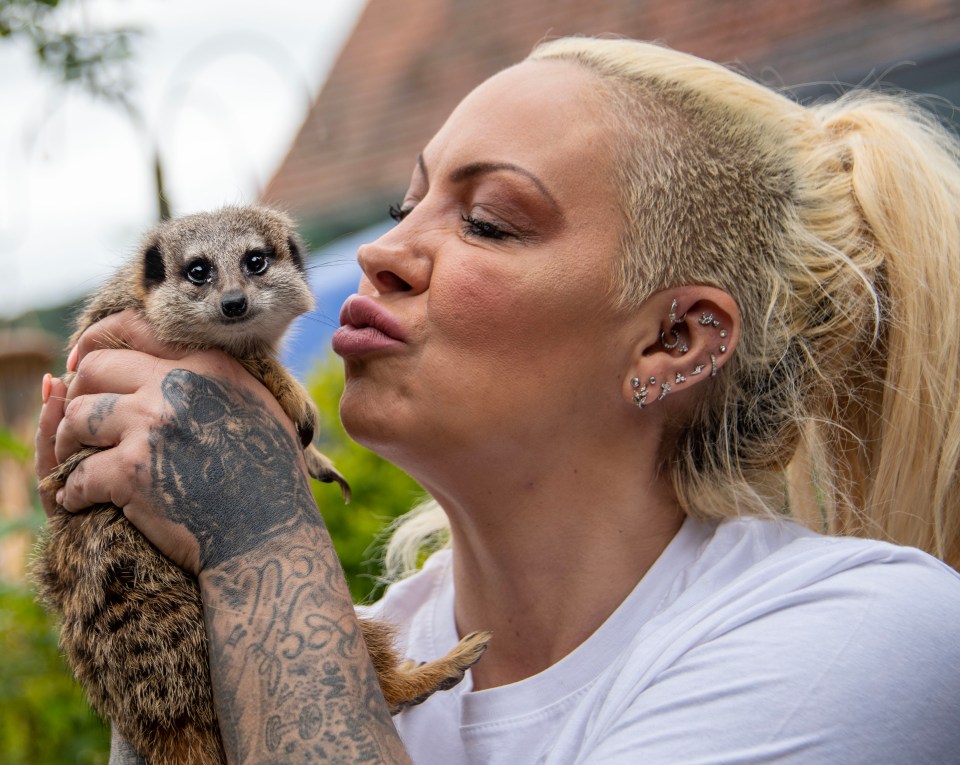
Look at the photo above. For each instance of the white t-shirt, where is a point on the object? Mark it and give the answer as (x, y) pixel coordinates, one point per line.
(748, 641)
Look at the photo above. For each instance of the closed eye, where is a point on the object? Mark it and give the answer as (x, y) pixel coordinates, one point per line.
(483, 228)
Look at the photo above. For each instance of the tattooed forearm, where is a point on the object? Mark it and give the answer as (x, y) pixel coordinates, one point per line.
(220, 453)
(289, 665)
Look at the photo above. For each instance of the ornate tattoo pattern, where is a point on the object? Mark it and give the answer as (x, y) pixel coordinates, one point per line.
(279, 635)
(220, 454)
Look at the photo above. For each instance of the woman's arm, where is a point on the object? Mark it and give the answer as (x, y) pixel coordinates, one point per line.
(203, 462)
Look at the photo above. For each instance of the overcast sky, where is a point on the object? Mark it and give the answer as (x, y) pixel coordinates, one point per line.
(226, 83)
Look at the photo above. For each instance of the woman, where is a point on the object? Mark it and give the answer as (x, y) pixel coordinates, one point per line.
(635, 311)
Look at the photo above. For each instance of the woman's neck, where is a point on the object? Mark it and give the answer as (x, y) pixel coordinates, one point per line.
(542, 560)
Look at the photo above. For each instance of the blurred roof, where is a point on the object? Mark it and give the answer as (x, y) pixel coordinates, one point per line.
(408, 64)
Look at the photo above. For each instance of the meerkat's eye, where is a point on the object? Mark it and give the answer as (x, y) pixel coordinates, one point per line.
(199, 271)
(256, 261)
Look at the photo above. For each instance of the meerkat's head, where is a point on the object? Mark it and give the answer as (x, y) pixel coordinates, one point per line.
(232, 279)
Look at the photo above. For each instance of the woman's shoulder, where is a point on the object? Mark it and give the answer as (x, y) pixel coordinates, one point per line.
(756, 559)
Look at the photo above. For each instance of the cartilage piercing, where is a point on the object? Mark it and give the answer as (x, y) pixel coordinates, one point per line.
(713, 365)
(705, 320)
(680, 378)
(723, 349)
(697, 369)
(673, 312)
(664, 390)
(723, 333)
(665, 344)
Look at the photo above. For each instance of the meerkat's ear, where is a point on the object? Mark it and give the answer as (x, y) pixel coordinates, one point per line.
(154, 270)
(295, 254)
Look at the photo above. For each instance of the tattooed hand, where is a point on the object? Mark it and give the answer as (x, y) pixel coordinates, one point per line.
(197, 453)
(226, 469)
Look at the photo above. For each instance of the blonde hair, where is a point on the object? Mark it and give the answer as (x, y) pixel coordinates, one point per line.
(835, 228)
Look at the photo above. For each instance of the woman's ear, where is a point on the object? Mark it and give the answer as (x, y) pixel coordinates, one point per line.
(684, 338)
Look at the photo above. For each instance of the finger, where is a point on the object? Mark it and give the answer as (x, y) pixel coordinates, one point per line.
(103, 477)
(126, 329)
(115, 371)
(91, 420)
(45, 460)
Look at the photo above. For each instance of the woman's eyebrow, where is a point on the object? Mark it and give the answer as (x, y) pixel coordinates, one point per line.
(479, 168)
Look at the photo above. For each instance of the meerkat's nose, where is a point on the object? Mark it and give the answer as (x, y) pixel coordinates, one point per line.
(233, 305)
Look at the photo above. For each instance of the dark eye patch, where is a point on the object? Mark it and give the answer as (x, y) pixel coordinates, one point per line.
(154, 272)
(295, 254)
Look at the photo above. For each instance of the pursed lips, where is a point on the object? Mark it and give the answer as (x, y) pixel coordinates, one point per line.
(360, 312)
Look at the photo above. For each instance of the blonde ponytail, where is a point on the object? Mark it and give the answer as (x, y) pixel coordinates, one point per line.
(904, 171)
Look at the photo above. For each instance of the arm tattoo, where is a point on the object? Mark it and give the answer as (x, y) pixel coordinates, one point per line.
(291, 676)
(220, 454)
(284, 639)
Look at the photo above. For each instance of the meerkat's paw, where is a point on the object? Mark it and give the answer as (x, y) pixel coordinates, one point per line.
(410, 684)
(321, 468)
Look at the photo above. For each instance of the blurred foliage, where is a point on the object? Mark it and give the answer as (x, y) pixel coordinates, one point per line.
(381, 492)
(95, 59)
(44, 717)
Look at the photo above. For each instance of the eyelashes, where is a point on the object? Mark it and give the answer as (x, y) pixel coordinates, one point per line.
(398, 212)
(483, 228)
(473, 226)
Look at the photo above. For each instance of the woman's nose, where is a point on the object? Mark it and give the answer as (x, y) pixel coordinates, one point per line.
(393, 263)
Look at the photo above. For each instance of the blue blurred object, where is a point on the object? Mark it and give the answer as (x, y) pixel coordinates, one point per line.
(334, 275)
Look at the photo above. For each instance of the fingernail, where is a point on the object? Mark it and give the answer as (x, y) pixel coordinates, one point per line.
(72, 359)
(59, 497)
(45, 388)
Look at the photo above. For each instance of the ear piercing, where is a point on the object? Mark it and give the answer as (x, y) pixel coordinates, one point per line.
(640, 391)
(674, 344)
(706, 319)
(677, 340)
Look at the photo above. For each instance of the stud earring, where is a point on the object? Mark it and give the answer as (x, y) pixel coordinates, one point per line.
(705, 320)
(635, 382)
(664, 390)
(680, 378)
(697, 369)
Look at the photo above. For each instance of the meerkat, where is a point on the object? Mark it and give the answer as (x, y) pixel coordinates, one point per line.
(132, 622)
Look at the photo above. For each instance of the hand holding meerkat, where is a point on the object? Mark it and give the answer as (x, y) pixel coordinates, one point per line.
(132, 622)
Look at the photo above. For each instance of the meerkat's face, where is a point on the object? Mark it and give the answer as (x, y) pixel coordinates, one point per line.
(232, 279)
